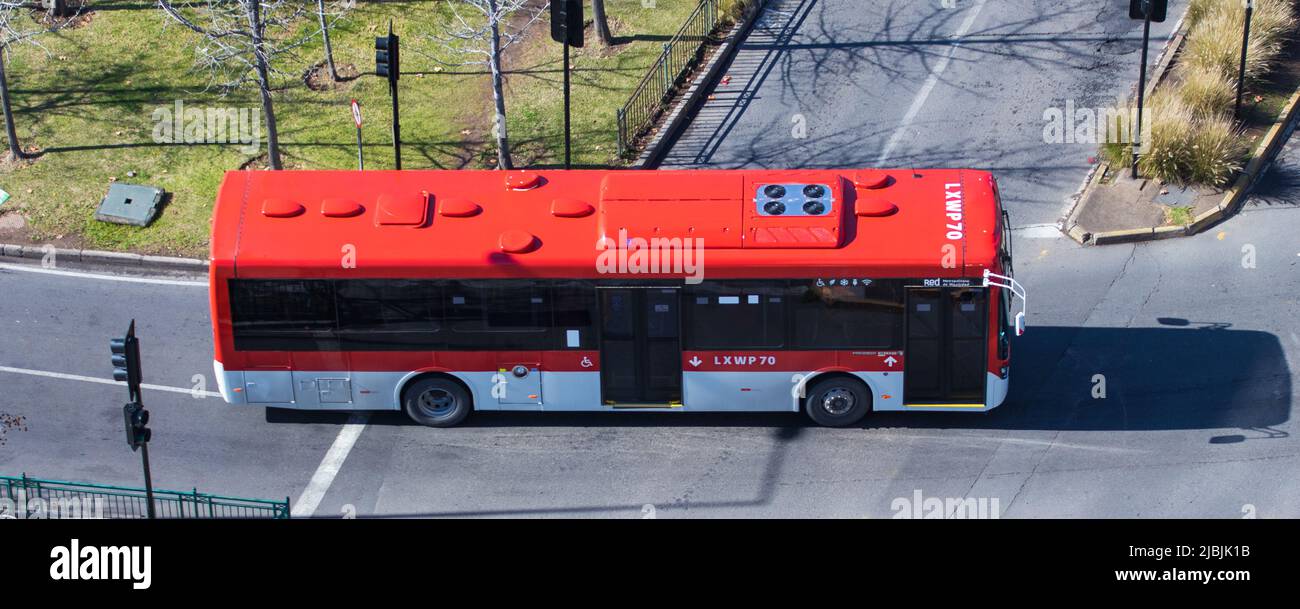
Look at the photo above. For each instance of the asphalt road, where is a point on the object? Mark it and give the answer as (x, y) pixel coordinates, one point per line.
(901, 83)
(1196, 341)
(1199, 356)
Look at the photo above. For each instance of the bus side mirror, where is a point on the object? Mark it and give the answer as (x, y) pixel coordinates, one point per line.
(1020, 323)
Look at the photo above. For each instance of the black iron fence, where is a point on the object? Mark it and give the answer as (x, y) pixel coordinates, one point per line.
(23, 497)
(680, 55)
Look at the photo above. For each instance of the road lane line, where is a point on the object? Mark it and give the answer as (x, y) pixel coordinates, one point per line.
(91, 379)
(1039, 231)
(35, 269)
(930, 83)
(329, 466)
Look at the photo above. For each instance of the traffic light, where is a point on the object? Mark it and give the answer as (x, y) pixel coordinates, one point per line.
(1137, 9)
(126, 361)
(566, 22)
(386, 56)
(137, 421)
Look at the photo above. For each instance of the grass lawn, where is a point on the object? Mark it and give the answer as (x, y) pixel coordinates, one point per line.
(88, 101)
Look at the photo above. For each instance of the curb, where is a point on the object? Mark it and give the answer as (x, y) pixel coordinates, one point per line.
(125, 259)
(1232, 200)
(704, 81)
(1069, 219)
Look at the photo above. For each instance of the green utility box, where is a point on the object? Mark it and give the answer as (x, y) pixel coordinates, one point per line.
(130, 204)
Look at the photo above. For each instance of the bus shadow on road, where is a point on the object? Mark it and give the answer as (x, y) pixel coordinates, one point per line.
(1187, 375)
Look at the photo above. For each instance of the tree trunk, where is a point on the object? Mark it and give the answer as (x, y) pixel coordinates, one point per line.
(57, 8)
(602, 23)
(325, 32)
(10, 131)
(498, 95)
(264, 81)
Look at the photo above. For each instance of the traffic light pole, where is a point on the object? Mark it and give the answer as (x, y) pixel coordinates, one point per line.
(566, 29)
(126, 368)
(1142, 87)
(148, 478)
(1245, 46)
(397, 126)
(567, 148)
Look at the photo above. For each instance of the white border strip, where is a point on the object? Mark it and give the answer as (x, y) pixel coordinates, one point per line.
(35, 269)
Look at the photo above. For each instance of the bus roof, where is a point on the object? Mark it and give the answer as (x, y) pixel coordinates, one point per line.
(550, 223)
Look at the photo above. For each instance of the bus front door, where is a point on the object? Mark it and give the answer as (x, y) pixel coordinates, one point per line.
(944, 360)
(641, 353)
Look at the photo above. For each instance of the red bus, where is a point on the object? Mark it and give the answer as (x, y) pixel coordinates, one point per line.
(834, 292)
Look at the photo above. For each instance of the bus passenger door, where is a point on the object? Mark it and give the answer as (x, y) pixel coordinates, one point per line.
(641, 353)
(944, 361)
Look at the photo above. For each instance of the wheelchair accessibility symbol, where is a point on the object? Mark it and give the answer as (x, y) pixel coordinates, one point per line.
(586, 362)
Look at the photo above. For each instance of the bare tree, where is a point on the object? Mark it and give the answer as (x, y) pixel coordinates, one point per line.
(325, 23)
(602, 22)
(20, 23)
(490, 28)
(242, 39)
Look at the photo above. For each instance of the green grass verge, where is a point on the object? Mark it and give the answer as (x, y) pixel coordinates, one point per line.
(88, 100)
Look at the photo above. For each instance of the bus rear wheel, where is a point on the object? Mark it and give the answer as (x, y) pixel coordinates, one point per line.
(436, 402)
(838, 401)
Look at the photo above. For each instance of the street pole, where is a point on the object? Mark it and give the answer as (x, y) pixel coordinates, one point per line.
(356, 118)
(397, 127)
(148, 478)
(1142, 84)
(566, 107)
(361, 162)
(1245, 45)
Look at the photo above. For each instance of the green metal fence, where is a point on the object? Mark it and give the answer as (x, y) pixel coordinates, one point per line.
(25, 497)
(680, 55)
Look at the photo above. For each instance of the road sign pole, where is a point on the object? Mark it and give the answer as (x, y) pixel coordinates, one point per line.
(567, 140)
(1142, 85)
(361, 161)
(356, 118)
(1245, 45)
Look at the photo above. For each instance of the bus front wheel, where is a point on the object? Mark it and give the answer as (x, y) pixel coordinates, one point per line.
(436, 402)
(838, 401)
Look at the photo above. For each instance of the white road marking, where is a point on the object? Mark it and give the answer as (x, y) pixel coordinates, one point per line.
(1039, 231)
(92, 379)
(930, 83)
(329, 466)
(153, 280)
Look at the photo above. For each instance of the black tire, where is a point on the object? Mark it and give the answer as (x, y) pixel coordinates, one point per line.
(837, 401)
(436, 402)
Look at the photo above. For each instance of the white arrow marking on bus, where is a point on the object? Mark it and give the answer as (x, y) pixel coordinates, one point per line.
(696, 361)
(891, 361)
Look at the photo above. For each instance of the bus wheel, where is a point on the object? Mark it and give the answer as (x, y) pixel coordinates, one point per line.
(436, 402)
(838, 401)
